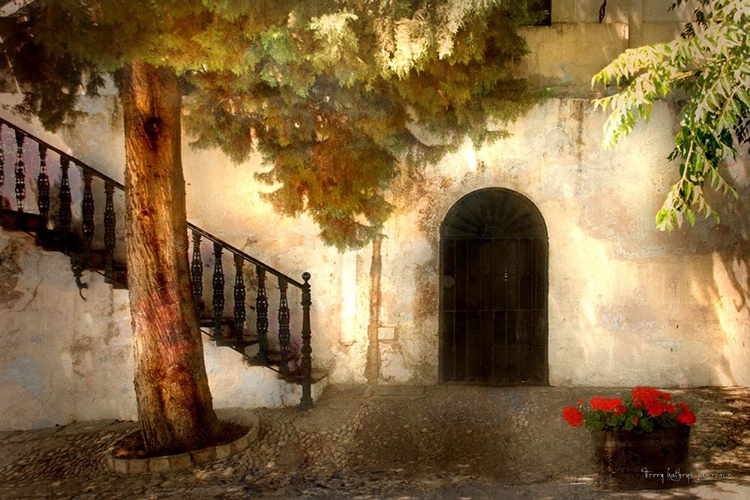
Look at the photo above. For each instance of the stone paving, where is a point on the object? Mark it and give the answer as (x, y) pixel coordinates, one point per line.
(390, 442)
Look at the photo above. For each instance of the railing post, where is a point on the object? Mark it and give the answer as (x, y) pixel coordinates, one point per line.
(20, 172)
(87, 211)
(306, 362)
(196, 273)
(239, 296)
(65, 199)
(2, 167)
(284, 333)
(42, 195)
(218, 284)
(110, 233)
(261, 307)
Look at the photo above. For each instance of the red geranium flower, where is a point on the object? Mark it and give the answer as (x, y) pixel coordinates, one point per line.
(642, 396)
(649, 407)
(573, 416)
(686, 418)
(655, 408)
(615, 405)
(597, 403)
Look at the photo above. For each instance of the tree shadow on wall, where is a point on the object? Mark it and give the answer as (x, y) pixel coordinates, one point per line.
(731, 249)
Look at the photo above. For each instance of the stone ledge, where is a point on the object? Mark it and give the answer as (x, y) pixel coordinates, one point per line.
(194, 458)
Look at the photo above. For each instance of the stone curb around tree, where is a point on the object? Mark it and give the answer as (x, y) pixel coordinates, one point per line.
(194, 458)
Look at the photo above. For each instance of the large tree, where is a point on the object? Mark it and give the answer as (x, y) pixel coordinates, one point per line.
(708, 70)
(328, 91)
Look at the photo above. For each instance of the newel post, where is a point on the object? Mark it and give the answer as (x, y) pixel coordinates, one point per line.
(306, 361)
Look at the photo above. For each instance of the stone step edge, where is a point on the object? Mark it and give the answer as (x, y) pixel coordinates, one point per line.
(190, 459)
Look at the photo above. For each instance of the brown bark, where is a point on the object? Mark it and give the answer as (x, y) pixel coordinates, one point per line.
(372, 366)
(174, 401)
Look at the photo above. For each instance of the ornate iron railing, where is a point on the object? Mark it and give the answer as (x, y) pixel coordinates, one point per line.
(64, 218)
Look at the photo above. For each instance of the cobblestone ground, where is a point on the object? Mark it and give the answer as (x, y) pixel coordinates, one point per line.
(390, 442)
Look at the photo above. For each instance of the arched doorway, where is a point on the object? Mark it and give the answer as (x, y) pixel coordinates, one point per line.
(493, 299)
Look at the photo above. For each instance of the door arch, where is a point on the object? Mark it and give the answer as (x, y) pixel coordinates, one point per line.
(493, 291)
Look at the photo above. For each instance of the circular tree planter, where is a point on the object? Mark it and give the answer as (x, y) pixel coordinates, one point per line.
(190, 459)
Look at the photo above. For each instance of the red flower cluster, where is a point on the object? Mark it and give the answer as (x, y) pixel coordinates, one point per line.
(647, 409)
(604, 404)
(685, 416)
(655, 402)
(573, 416)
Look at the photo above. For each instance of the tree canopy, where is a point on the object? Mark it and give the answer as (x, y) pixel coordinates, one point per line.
(710, 64)
(327, 91)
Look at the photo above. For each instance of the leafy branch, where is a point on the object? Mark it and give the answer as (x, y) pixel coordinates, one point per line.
(711, 64)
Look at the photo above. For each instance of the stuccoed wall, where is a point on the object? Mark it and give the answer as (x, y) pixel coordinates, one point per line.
(62, 359)
(565, 55)
(65, 359)
(627, 304)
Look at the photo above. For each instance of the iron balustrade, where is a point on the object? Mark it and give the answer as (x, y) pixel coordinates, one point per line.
(64, 219)
(286, 354)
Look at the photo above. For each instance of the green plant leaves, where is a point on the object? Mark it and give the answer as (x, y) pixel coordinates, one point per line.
(711, 63)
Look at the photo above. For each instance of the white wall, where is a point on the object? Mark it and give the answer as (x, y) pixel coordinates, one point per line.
(65, 359)
(62, 359)
(627, 304)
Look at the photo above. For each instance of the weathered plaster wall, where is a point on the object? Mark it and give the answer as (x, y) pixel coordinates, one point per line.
(627, 303)
(565, 55)
(65, 359)
(620, 11)
(62, 359)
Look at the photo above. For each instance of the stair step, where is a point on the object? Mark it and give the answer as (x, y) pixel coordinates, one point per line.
(71, 242)
(208, 321)
(13, 220)
(57, 241)
(238, 345)
(118, 277)
(274, 360)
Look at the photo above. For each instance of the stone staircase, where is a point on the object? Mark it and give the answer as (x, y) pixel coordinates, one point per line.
(63, 217)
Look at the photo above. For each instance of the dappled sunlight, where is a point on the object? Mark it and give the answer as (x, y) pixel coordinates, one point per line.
(734, 274)
(669, 323)
(348, 298)
(733, 314)
(720, 441)
(470, 155)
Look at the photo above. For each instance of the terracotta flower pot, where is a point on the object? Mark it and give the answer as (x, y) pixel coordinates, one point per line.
(652, 460)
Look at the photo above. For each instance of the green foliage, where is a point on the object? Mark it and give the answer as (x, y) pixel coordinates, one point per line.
(57, 77)
(711, 63)
(331, 113)
(327, 91)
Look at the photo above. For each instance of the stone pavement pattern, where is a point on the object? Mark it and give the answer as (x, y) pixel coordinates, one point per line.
(390, 442)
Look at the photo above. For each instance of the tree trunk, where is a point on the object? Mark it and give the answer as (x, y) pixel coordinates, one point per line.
(174, 401)
(372, 366)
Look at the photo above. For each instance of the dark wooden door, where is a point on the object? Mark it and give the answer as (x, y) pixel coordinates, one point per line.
(494, 291)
